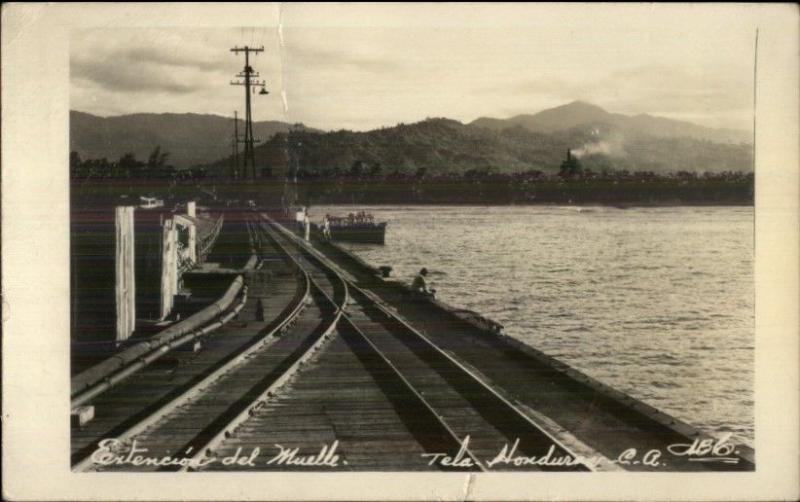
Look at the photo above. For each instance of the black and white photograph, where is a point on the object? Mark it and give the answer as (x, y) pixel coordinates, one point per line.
(413, 238)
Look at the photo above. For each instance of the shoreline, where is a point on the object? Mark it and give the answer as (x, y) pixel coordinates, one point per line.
(620, 205)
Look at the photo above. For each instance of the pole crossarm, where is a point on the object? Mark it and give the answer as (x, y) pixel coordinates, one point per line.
(252, 74)
(238, 49)
(252, 83)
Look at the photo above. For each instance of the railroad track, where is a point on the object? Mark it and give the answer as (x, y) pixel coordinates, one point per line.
(381, 391)
(454, 416)
(166, 384)
(369, 382)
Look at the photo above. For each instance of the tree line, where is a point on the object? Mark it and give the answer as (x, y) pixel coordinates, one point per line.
(572, 183)
(129, 167)
(571, 170)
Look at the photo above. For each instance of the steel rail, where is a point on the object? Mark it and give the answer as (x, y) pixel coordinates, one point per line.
(298, 305)
(148, 351)
(206, 450)
(362, 340)
(197, 388)
(671, 424)
(153, 352)
(495, 402)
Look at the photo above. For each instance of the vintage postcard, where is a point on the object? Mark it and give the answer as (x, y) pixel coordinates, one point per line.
(408, 251)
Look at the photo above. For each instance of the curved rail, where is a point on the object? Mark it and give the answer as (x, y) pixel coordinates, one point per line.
(197, 388)
(297, 306)
(444, 439)
(447, 435)
(236, 371)
(207, 449)
(226, 431)
(106, 374)
(494, 408)
(618, 414)
(97, 379)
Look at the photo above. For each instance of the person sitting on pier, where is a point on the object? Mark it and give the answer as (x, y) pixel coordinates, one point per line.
(420, 287)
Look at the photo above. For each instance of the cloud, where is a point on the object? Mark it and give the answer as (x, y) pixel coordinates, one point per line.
(319, 58)
(170, 58)
(125, 71)
(135, 64)
(121, 76)
(364, 76)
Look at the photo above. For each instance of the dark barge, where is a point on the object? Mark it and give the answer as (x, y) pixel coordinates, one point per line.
(360, 227)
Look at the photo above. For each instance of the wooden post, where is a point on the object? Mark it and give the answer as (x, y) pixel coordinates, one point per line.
(169, 267)
(191, 210)
(193, 243)
(125, 278)
(191, 229)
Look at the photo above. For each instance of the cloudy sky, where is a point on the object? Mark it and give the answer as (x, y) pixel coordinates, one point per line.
(361, 67)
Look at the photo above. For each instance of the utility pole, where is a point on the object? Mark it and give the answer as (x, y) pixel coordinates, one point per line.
(235, 144)
(251, 81)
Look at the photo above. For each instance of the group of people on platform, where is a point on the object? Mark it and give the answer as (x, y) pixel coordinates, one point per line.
(352, 219)
(419, 285)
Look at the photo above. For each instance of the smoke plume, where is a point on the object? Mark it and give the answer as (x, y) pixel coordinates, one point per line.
(611, 146)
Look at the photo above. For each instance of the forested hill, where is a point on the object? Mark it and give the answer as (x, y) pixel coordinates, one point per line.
(188, 138)
(439, 146)
(602, 140)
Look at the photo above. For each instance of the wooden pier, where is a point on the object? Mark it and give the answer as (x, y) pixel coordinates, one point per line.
(326, 365)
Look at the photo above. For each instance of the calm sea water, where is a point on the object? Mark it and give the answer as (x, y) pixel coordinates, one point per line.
(657, 302)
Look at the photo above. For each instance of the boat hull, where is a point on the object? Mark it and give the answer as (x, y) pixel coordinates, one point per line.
(368, 234)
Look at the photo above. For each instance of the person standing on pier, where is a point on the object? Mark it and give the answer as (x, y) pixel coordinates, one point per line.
(299, 218)
(326, 228)
(307, 226)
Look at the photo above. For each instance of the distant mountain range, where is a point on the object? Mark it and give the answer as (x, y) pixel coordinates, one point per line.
(579, 113)
(190, 139)
(602, 140)
(442, 146)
